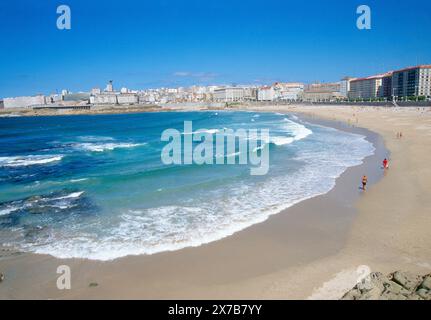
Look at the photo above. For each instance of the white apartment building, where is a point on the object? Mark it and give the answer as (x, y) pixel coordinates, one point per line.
(266, 94)
(24, 102)
(371, 87)
(104, 98)
(229, 94)
(127, 98)
(288, 91)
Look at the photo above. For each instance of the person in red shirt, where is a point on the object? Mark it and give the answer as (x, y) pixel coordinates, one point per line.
(385, 164)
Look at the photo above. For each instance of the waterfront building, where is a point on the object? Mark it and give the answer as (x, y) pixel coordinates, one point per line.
(412, 81)
(266, 94)
(104, 98)
(345, 86)
(24, 102)
(1, 104)
(229, 94)
(378, 86)
(322, 92)
(288, 91)
(127, 99)
(77, 97)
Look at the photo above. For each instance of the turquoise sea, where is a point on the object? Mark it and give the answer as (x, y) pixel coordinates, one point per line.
(95, 186)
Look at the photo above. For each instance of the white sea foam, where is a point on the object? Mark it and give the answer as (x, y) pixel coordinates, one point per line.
(210, 131)
(95, 138)
(8, 210)
(70, 196)
(78, 180)
(101, 147)
(9, 115)
(31, 160)
(280, 141)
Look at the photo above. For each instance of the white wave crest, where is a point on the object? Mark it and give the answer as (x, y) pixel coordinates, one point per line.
(31, 160)
(101, 147)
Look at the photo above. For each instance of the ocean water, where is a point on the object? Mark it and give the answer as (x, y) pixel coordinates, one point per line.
(95, 186)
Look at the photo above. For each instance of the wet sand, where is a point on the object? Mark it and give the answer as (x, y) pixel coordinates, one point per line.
(311, 249)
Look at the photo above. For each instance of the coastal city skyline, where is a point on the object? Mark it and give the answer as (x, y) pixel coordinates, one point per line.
(154, 46)
(409, 83)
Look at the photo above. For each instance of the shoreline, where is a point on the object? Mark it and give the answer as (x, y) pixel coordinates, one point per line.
(204, 272)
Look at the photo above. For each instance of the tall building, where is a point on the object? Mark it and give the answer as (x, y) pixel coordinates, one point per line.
(412, 81)
(378, 86)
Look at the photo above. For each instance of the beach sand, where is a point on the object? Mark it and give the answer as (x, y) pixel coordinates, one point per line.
(316, 249)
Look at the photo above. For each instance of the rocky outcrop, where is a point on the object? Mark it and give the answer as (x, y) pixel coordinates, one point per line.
(396, 286)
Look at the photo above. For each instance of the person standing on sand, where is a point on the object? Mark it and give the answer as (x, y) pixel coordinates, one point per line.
(364, 182)
(385, 164)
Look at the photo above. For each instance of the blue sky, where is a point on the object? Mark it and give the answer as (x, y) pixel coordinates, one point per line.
(142, 44)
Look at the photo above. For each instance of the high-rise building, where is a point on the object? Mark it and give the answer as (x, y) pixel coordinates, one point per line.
(412, 81)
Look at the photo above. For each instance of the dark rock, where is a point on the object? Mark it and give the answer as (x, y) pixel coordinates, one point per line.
(1, 277)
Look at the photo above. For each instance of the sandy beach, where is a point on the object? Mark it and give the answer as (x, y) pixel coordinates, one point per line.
(316, 249)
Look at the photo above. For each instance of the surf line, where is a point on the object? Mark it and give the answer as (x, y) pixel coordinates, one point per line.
(249, 146)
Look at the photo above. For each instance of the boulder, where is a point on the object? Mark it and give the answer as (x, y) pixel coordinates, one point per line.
(424, 294)
(426, 284)
(396, 286)
(407, 280)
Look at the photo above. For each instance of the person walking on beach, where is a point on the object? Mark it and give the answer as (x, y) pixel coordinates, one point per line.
(385, 164)
(364, 182)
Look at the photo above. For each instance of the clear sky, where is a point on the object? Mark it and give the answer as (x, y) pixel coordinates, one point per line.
(143, 44)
